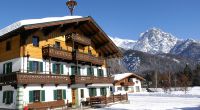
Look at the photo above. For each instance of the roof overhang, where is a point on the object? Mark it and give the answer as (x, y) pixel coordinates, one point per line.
(86, 24)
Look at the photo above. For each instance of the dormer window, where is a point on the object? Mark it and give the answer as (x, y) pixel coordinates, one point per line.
(35, 41)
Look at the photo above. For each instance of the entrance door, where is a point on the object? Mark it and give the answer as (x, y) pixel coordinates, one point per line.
(74, 96)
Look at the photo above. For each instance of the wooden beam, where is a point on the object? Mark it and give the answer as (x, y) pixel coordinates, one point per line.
(102, 45)
(79, 24)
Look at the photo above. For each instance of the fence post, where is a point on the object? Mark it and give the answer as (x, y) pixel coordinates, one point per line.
(113, 98)
(120, 97)
(105, 100)
(126, 97)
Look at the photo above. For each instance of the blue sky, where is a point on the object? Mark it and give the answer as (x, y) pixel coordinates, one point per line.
(118, 18)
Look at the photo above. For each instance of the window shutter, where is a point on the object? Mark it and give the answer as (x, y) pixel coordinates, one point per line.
(55, 94)
(92, 71)
(4, 96)
(30, 66)
(64, 94)
(79, 70)
(10, 67)
(61, 69)
(41, 66)
(11, 97)
(102, 74)
(95, 92)
(42, 95)
(73, 70)
(30, 96)
(54, 68)
(90, 92)
(88, 71)
(4, 68)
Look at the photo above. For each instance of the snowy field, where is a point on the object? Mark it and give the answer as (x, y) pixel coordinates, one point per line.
(177, 100)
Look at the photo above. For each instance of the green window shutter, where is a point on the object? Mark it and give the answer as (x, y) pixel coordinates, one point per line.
(92, 71)
(102, 74)
(4, 96)
(55, 94)
(42, 95)
(95, 92)
(30, 96)
(54, 68)
(41, 66)
(64, 94)
(79, 70)
(72, 70)
(9, 65)
(30, 66)
(4, 68)
(88, 71)
(61, 68)
(11, 97)
(90, 92)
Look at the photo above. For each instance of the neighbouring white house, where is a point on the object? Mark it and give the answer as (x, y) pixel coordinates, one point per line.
(127, 82)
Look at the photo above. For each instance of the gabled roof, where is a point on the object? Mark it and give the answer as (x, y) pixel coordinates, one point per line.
(118, 77)
(86, 24)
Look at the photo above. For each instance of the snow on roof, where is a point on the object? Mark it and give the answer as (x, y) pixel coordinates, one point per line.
(121, 76)
(21, 23)
(124, 75)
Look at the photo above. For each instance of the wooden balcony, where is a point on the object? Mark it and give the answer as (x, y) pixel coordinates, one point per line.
(90, 79)
(79, 39)
(88, 58)
(127, 84)
(58, 53)
(30, 78)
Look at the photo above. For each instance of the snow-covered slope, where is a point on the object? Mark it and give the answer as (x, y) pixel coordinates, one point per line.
(34, 21)
(123, 43)
(155, 41)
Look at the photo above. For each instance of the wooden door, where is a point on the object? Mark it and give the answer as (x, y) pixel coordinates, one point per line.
(74, 96)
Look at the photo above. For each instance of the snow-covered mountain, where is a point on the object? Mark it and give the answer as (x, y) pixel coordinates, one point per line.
(155, 41)
(124, 43)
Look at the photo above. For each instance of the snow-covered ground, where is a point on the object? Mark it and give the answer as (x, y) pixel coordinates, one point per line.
(161, 101)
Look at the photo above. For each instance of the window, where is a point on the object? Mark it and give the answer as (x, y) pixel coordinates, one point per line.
(75, 70)
(8, 45)
(90, 71)
(8, 97)
(119, 88)
(130, 80)
(100, 72)
(103, 91)
(35, 66)
(7, 68)
(37, 96)
(58, 68)
(126, 88)
(92, 92)
(137, 89)
(82, 93)
(59, 94)
(57, 45)
(35, 41)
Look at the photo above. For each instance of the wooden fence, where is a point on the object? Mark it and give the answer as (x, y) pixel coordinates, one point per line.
(107, 100)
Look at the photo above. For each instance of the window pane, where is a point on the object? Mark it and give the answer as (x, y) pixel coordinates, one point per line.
(35, 41)
(82, 93)
(8, 45)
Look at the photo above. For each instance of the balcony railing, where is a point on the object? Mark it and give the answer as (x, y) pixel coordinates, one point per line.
(53, 52)
(30, 78)
(88, 58)
(90, 79)
(127, 84)
(79, 39)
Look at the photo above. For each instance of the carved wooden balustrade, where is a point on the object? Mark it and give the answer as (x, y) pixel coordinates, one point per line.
(30, 78)
(88, 58)
(53, 52)
(90, 79)
(79, 39)
(127, 84)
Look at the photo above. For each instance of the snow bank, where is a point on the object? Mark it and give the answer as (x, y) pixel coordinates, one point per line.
(21, 23)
